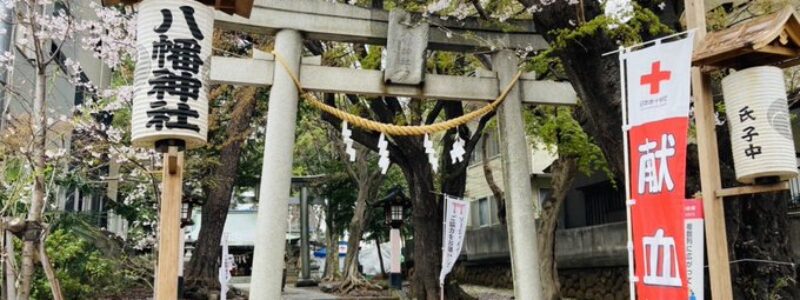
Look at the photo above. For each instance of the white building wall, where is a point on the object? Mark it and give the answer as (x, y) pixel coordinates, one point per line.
(477, 188)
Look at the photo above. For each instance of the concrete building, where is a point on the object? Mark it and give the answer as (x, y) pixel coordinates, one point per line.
(62, 96)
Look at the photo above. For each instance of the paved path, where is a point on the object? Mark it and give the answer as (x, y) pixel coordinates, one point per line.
(289, 293)
(293, 293)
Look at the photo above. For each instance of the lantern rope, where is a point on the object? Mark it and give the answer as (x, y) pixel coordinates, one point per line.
(391, 129)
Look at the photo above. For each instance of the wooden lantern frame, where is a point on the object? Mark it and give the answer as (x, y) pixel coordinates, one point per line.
(772, 39)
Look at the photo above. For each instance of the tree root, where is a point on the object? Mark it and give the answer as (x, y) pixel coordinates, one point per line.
(356, 282)
(331, 277)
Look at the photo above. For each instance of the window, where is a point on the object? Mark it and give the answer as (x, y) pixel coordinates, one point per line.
(604, 203)
(484, 215)
(492, 147)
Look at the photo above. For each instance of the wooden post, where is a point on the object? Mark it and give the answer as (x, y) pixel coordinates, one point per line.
(716, 239)
(170, 226)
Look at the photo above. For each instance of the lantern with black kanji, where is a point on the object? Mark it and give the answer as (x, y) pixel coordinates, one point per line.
(170, 100)
(755, 51)
(761, 131)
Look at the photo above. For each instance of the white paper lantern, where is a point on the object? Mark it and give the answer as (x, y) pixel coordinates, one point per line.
(761, 134)
(170, 100)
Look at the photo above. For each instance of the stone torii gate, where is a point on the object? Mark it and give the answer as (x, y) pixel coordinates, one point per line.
(292, 21)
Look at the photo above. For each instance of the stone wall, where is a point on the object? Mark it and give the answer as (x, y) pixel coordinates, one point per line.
(595, 284)
(584, 284)
(490, 274)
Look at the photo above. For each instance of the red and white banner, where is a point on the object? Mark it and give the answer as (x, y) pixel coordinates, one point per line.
(455, 226)
(658, 89)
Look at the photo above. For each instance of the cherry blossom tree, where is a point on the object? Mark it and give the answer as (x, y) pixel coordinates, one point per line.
(36, 137)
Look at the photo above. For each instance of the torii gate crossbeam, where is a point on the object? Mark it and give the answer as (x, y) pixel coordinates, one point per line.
(327, 21)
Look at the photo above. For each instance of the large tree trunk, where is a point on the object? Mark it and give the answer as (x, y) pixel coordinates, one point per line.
(202, 271)
(355, 229)
(380, 255)
(34, 219)
(331, 255)
(499, 198)
(564, 171)
(367, 189)
(426, 218)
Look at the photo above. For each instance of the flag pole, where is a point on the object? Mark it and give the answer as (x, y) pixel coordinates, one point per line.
(628, 202)
(444, 222)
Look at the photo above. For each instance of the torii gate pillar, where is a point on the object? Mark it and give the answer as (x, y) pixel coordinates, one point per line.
(276, 172)
(522, 235)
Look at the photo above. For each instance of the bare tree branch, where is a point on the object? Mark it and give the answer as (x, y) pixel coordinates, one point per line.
(479, 8)
(437, 109)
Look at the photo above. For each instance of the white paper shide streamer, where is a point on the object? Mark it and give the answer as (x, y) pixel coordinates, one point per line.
(760, 125)
(348, 142)
(457, 153)
(383, 154)
(431, 151)
(170, 99)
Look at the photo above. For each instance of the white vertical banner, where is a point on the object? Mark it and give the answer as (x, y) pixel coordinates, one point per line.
(225, 267)
(695, 246)
(455, 226)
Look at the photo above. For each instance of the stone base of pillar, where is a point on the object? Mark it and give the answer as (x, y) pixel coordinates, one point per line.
(305, 283)
(396, 281)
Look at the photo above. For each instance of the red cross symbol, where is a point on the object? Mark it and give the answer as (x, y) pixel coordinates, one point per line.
(655, 77)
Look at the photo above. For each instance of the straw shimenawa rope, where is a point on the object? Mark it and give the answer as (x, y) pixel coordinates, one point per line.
(391, 129)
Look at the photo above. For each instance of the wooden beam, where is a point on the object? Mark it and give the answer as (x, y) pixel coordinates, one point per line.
(330, 21)
(259, 72)
(778, 50)
(752, 189)
(710, 180)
